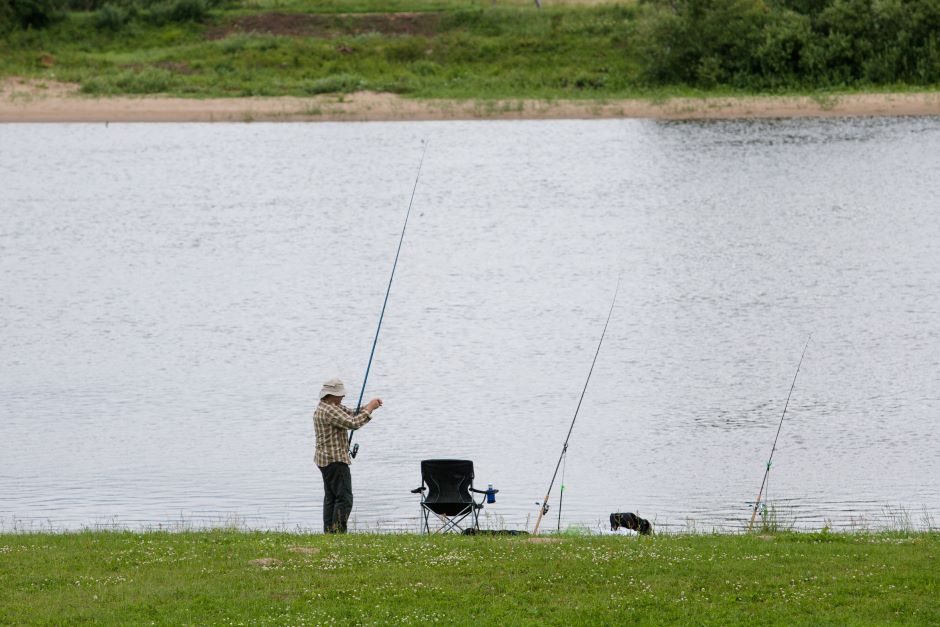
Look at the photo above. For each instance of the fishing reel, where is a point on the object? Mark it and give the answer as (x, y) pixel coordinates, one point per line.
(544, 507)
(354, 450)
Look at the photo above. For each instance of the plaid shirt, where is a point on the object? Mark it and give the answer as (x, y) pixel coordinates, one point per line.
(330, 423)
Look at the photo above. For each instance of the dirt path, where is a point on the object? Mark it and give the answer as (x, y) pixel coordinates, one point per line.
(33, 101)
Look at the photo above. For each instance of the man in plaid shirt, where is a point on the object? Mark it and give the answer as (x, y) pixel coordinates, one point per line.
(331, 420)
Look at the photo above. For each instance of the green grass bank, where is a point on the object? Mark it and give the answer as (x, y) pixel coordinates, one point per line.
(473, 50)
(213, 577)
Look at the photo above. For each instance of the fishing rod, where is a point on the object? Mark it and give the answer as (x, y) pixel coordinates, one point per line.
(355, 449)
(774, 447)
(544, 508)
(561, 493)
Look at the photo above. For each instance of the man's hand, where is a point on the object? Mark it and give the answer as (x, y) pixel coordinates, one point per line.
(374, 404)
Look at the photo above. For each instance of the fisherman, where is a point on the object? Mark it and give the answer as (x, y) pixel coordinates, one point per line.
(330, 421)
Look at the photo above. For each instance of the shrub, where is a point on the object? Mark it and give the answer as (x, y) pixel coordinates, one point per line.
(425, 68)
(789, 43)
(401, 84)
(406, 49)
(178, 11)
(250, 41)
(29, 13)
(337, 84)
(111, 17)
(86, 5)
(581, 80)
(189, 10)
(148, 81)
(781, 54)
(703, 42)
(95, 5)
(6, 16)
(802, 7)
(884, 42)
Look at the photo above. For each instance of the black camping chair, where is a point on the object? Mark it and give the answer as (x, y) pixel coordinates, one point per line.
(448, 484)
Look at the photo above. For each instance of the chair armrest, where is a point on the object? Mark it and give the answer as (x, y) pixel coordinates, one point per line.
(494, 491)
(417, 490)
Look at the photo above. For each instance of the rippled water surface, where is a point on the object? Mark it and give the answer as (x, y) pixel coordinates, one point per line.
(171, 297)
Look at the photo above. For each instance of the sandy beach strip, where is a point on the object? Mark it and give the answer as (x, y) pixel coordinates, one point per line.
(34, 101)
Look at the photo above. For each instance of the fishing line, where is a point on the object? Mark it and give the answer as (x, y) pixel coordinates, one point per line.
(774, 447)
(362, 391)
(544, 505)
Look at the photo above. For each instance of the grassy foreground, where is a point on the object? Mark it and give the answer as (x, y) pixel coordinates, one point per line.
(214, 577)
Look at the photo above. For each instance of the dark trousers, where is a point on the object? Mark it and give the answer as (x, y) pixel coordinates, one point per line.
(337, 496)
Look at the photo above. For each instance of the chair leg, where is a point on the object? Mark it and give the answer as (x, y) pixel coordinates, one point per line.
(445, 523)
(452, 523)
(426, 512)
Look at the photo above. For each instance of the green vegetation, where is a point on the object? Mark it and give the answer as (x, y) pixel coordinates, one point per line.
(212, 577)
(460, 49)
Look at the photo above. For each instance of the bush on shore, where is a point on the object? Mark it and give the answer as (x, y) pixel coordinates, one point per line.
(757, 44)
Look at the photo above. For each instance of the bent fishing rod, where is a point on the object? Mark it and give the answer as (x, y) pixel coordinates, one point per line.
(355, 449)
(763, 483)
(544, 508)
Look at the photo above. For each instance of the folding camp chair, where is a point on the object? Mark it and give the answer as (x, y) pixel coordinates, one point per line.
(449, 483)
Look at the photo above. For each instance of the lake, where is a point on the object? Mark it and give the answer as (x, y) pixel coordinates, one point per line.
(173, 295)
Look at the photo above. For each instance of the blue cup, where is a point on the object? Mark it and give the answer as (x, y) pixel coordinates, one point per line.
(490, 494)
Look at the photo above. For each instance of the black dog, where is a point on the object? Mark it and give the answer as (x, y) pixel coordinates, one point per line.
(630, 521)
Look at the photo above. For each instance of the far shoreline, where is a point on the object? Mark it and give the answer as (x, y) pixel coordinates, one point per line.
(31, 101)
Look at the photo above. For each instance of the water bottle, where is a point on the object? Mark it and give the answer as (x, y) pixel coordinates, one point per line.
(490, 495)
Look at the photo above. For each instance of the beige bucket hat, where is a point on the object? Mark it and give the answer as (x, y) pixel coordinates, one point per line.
(334, 387)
